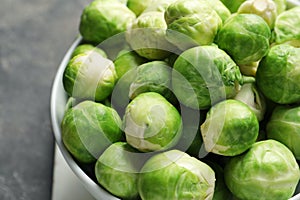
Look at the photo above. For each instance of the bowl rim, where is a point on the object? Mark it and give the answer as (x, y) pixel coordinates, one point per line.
(56, 114)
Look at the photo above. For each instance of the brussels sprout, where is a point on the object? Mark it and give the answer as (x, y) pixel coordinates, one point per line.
(203, 76)
(287, 27)
(87, 48)
(88, 128)
(151, 123)
(266, 9)
(250, 95)
(89, 76)
(138, 6)
(103, 19)
(232, 5)
(267, 171)
(191, 23)
(153, 76)
(127, 60)
(230, 128)
(223, 12)
(175, 175)
(245, 37)
(284, 126)
(147, 35)
(117, 170)
(278, 74)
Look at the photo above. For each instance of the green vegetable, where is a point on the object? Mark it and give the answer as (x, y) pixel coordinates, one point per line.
(287, 27)
(278, 74)
(102, 19)
(230, 128)
(151, 123)
(267, 171)
(203, 76)
(284, 126)
(245, 37)
(89, 76)
(175, 175)
(88, 129)
(117, 170)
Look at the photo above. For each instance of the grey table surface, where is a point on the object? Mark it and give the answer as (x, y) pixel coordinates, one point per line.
(34, 35)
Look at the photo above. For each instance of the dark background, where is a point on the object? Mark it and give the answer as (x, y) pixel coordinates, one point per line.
(34, 36)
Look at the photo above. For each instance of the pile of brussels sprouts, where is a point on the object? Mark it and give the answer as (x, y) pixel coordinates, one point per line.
(187, 99)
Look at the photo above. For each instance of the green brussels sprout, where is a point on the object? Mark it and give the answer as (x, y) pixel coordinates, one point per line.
(287, 27)
(203, 76)
(223, 12)
(250, 95)
(117, 170)
(151, 123)
(230, 128)
(89, 76)
(103, 19)
(278, 74)
(191, 23)
(266, 9)
(147, 36)
(176, 175)
(233, 6)
(127, 60)
(88, 128)
(245, 37)
(284, 126)
(87, 48)
(267, 171)
(153, 76)
(138, 6)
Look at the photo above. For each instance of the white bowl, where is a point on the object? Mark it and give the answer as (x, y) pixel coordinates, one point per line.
(57, 106)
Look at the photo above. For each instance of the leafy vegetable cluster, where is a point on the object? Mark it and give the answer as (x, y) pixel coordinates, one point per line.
(187, 99)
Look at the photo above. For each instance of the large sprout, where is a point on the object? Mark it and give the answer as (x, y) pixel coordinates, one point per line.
(191, 23)
(175, 175)
(267, 171)
(89, 128)
(102, 19)
(151, 123)
(287, 27)
(117, 170)
(89, 75)
(205, 75)
(278, 74)
(245, 37)
(230, 128)
(284, 126)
